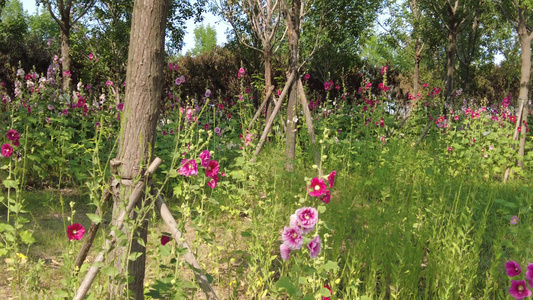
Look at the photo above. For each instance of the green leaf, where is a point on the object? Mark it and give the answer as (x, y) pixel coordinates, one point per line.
(134, 255)
(94, 218)
(9, 183)
(330, 265)
(285, 283)
(321, 209)
(27, 237)
(246, 234)
(177, 190)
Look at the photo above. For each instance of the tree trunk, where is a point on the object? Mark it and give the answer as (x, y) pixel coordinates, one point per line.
(416, 71)
(267, 55)
(452, 44)
(293, 35)
(525, 57)
(144, 79)
(65, 55)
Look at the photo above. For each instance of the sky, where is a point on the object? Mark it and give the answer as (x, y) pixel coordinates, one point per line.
(209, 19)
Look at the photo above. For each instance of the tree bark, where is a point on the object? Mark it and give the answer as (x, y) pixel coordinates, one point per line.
(452, 44)
(416, 71)
(293, 35)
(144, 79)
(64, 35)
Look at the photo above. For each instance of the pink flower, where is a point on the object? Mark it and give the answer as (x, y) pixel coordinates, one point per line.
(326, 197)
(317, 187)
(205, 157)
(16, 143)
(75, 232)
(307, 76)
(519, 289)
(306, 217)
(206, 126)
(7, 150)
(241, 73)
(188, 168)
(164, 240)
(529, 274)
(314, 246)
(120, 106)
(285, 252)
(212, 169)
(293, 222)
(292, 238)
(109, 83)
(515, 220)
(90, 56)
(213, 182)
(384, 69)
(513, 268)
(12, 135)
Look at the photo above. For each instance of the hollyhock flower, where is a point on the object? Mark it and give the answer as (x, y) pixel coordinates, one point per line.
(109, 83)
(515, 220)
(205, 157)
(217, 130)
(207, 93)
(164, 240)
(317, 187)
(384, 69)
(16, 143)
(285, 252)
(529, 274)
(75, 232)
(519, 289)
(330, 291)
(120, 106)
(306, 217)
(212, 169)
(326, 197)
(293, 222)
(188, 168)
(241, 73)
(314, 246)
(7, 150)
(307, 76)
(292, 238)
(91, 56)
(513, 268)
(12, 135)
(213, 182)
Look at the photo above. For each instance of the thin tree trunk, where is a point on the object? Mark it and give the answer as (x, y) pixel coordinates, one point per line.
(144, 79)
(452, 44)
(65, 56)
(293, 35)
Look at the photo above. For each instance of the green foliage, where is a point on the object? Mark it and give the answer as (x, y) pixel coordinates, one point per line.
(205, 39)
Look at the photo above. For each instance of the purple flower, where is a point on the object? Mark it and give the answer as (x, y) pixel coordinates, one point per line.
(212, 169)
(285, 252)
(331, 178)
(188, 168)
(529, 274)
(12, 135)
(519, 289)
(7, 150)
(120, 106)
(314, 246)
(179, 80)
(205, 157)
(207, 93)
(164, 240)
(292, 238)
(96, 125)
(306, 217)
(217, 130)
(515, 220)
(513, 268)
(293, 222)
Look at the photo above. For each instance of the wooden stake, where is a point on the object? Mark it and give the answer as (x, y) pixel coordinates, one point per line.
(309, 123)
(258, 112)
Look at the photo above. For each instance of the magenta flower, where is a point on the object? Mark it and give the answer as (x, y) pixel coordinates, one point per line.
(213, 182)
(529, 274)
(331, 178)
(513, 268)
(164, 240)
(317, 187)
(241, 73)
(75, 232)
(120, 106)
(212, 169)
(285, 252)
(293, 222)
(12, 135)
(205, 157)
(207, 93)
(188, 168)
(109, 83)
(16, 143)
(7, 150)
(514, 220)
(519, 289)
(307, 76)
(306, 217)
(292, 238)
(326, 197)
(314, 246)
